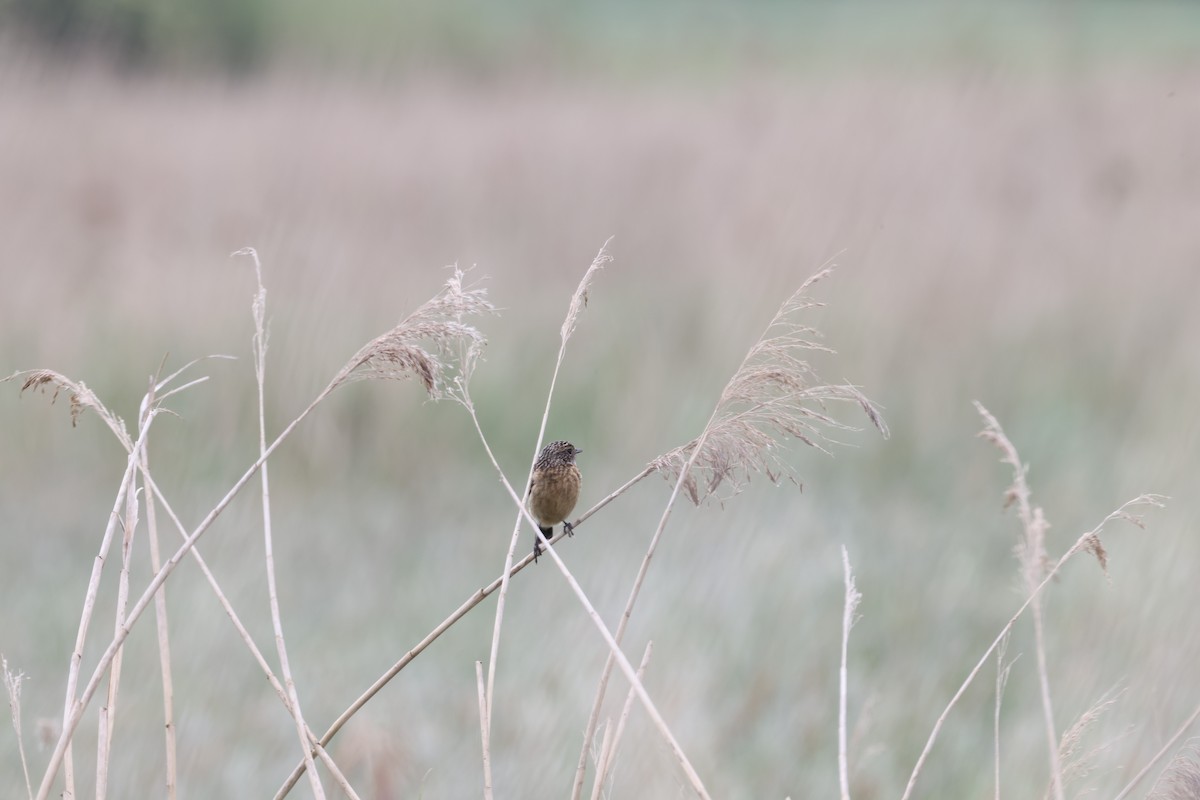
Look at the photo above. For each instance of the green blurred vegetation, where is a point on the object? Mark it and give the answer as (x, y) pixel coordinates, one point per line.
(630, 39)
(143, 34)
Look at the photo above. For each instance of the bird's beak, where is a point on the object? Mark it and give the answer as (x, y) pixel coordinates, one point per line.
(577, 451)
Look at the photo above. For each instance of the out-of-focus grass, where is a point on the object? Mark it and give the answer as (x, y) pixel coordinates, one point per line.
(1021, 237)
(711, 38)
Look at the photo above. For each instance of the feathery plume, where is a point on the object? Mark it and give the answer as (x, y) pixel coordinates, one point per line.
(433, 344)
(774, 395)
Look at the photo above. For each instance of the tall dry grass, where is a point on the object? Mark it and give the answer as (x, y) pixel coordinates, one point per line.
(774, 396)
(1012, 238)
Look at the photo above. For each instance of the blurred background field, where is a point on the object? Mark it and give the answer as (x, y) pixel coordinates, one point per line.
(1012, 193)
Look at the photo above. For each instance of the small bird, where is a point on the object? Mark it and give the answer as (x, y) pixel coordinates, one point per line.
(554, 489)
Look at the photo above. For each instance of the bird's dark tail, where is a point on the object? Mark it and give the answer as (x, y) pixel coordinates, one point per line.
(537, 541)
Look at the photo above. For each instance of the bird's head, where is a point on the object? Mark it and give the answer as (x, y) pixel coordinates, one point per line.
(560, 452)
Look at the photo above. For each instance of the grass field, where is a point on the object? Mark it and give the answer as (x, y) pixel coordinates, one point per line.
(1020, 235)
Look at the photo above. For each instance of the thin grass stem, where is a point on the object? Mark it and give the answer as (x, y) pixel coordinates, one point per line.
(260, 365)
(108, 713)
(1088, 542)
(1002, 672)
(163, 632)
(608, 748)
(1032, 556)
(614, 648)
(849, 607)
(684, 478)
(578, 302)
(12, 686)
(477, 597)
(484, 732)
(1166, 748)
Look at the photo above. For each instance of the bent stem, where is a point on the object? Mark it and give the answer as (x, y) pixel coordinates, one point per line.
(477, 597)
(129, 523)
(615, 650)
(89, 606)
(1088, 542)
(769, 378)
(623, 623)
(248, 640)
(260, 364)
(75, 710)
(614, 647)
(608, 748)
(1166, 748)
(152, 492)
(1032, 557)
(396, 354)
(578, 302)
(626, 667)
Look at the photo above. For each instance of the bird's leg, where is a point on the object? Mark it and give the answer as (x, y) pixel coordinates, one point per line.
(537, 541)
(569, 528)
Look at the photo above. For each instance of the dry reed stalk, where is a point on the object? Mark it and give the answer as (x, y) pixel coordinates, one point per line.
(773, 394)
(589, 609)
(259, 310)
(1181, 779)
(163, 633)
(1032, 555)
(850, 605)
(578, 302)
(477, 597)
(261, 660)
(148, 409)
(129, 523)
(598, 756)
(485, 731)
(160, 601)
(82, 398)
(1078, 765)
(1002, 672)
(151, 490)
(1192, 774)
(79, 396)
(458, 391)
(397, 354)
(429, 344)
(614, 648)
(156, 392)
(608, 747)
(12, 685)
(606, 672)
(1088, 542)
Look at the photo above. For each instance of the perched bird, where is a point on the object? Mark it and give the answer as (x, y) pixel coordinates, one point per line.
(553, 489)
